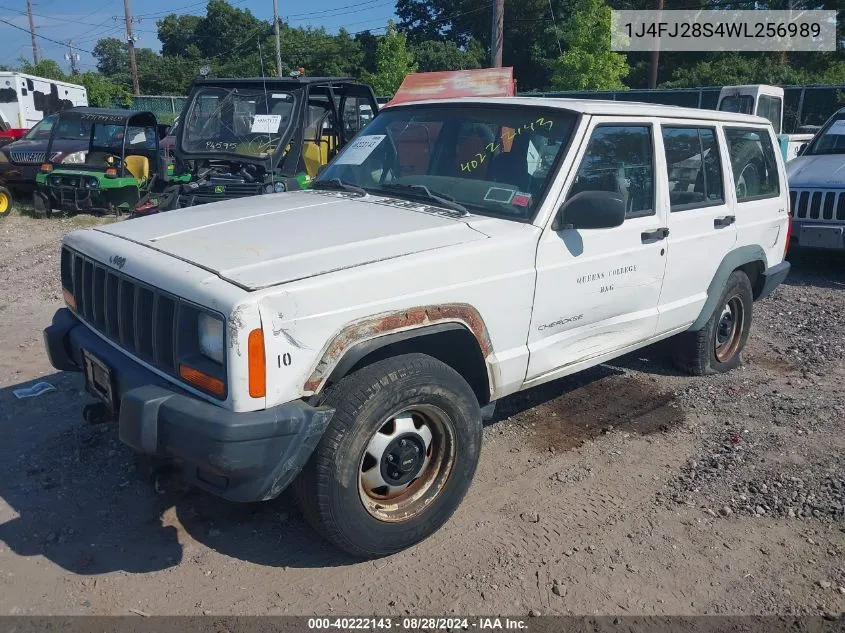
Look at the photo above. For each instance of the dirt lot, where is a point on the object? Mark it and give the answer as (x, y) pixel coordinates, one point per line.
(629, 489)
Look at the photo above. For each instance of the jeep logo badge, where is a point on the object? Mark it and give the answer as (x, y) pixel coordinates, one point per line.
(117, 261)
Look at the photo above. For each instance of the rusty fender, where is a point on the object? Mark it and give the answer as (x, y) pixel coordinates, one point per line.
(398, 321)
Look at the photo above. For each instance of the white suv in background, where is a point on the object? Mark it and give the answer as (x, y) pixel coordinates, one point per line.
(817, 188)
(348, 339)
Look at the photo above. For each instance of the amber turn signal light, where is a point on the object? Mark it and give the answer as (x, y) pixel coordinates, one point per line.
(46, 168)
(111, 172)
(202, 380)
(257, 365)
(69, 299)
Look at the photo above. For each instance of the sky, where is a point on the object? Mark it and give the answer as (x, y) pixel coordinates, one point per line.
(86, 21)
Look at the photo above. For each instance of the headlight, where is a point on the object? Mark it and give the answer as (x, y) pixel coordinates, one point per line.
(91, 182)
(75, 158)
(211, 337)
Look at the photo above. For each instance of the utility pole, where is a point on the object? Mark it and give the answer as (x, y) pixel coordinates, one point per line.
(32, 31)
(131, 41)
(655, 55)
(278, 43)
(498, 33)
(72, 57)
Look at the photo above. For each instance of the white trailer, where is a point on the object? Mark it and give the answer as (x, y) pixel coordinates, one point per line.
(26, 99)
(767, 102)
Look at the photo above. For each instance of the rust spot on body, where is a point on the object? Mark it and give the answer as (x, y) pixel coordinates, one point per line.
(397, 321)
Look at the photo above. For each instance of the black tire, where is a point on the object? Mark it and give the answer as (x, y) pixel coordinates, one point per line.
(7, 201)
(699, 352)
(331, 488)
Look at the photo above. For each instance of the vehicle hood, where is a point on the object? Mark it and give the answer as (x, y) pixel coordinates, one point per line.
(273, 239)
(62, 146)
(825, 171)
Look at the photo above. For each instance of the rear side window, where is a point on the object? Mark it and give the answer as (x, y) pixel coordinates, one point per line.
(753, 163)
(769, 107)
(620, 159)
(694, 167)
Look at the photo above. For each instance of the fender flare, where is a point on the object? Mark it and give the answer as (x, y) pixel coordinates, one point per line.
(364, 336)
(736, 258)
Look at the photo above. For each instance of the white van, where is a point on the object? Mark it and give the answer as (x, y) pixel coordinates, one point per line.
(350, 338)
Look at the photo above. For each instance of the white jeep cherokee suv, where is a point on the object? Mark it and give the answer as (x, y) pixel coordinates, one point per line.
(348, 339)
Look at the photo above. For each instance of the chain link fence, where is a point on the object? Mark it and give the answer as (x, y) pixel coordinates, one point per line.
(166, 108)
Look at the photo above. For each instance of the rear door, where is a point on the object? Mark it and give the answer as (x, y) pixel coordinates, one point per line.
(702, 223)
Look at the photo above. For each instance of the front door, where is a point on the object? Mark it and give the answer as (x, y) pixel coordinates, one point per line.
(598, 289)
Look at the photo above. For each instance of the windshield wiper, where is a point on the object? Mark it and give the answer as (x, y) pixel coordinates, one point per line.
(336, 184)
(423, 192)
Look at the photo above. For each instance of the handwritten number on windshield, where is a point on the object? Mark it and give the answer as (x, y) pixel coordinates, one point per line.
(507, 136)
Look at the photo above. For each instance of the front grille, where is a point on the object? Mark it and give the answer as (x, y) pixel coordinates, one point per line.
(229, 190)
(28, 158)
(155, 326)
(823, 205)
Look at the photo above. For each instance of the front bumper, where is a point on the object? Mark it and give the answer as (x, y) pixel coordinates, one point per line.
(815, 235)
(242, 457)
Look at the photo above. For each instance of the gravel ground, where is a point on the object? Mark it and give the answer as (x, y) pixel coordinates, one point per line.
(627, 489)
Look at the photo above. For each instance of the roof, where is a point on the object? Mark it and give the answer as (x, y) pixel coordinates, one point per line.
(275, 81)
(105, 115)
(482, 82)
(58, 82)
(602, 107)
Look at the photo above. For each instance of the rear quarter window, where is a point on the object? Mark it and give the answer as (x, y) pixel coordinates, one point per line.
(753, 162)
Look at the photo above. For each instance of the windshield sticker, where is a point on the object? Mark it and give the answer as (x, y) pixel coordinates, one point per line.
(838, 128)
(507, 136)
(359, 150)
(266, 124)
(521, 199)
(499, 194)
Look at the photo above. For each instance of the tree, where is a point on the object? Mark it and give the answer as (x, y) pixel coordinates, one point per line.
(436, 55)
(588, 63)
(47, 68)
(103, 93)
(394, 62)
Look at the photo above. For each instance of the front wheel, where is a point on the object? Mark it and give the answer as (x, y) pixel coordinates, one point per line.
(717, 347)
(6, 202)
(397, 458)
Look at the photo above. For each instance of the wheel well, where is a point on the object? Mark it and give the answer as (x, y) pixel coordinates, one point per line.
(754, 271)
(455, 346)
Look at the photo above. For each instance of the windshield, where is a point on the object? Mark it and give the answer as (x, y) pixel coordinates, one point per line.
(42, 129)
(248, 123)
(742, 104)
(491, 160)
(831, 140)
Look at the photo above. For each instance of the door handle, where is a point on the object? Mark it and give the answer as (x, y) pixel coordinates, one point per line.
(720, 223)
(655, 235)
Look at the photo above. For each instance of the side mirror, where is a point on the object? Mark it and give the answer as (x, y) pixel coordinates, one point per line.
(591, 210)
(802, 148)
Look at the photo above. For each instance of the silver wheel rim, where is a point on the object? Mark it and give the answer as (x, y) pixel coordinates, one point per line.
(407, 463)
(729, 329)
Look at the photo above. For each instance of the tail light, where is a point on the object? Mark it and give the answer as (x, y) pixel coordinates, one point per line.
(788, 234)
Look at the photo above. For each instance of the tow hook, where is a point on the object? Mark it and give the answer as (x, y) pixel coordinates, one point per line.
(97, 413)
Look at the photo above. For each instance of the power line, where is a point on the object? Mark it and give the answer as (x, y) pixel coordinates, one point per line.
(42, 37)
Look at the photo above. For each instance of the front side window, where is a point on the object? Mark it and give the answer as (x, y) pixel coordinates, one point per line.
(248, 123)
(619, 159)
(490, 160)
(693, 167)
(753, 163)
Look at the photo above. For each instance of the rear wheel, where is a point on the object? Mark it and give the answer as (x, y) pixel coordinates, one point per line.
(6, 202)
(397, 458)
(717, 347)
